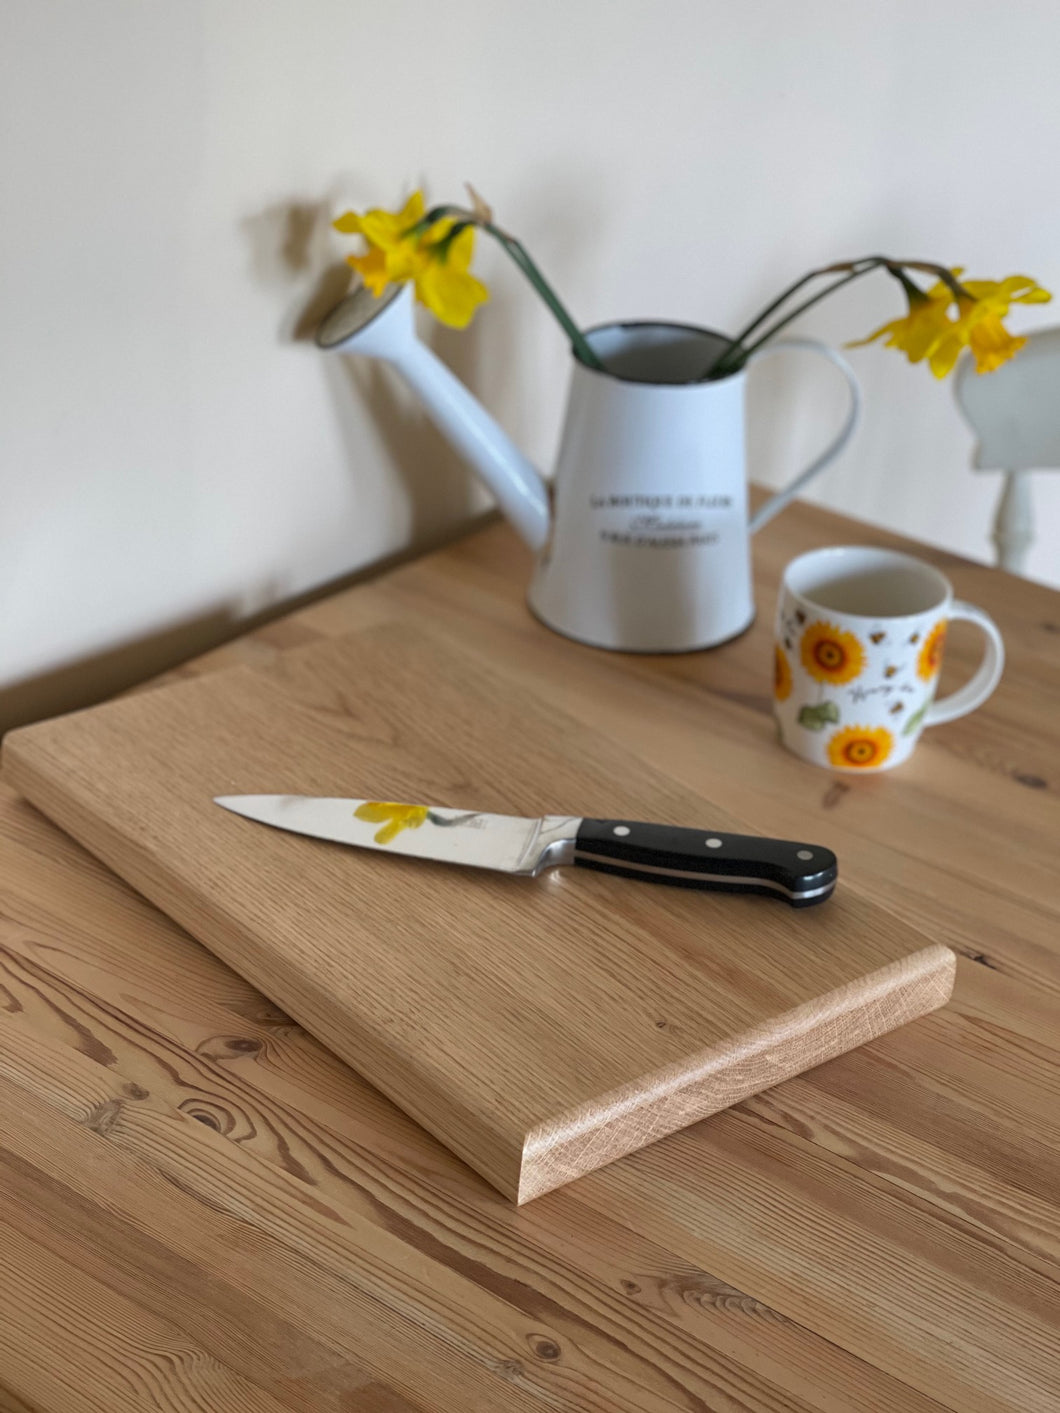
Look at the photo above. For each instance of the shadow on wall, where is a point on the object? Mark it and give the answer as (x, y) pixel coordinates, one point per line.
(431, 472)
(292, 253)
(292, 248)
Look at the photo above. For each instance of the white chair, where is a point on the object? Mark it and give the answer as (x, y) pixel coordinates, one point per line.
(1015, 413)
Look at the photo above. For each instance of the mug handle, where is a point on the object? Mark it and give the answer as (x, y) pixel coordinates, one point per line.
(776, 503)
(974, 693)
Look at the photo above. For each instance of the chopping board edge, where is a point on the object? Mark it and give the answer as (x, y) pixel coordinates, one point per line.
(631, 1118)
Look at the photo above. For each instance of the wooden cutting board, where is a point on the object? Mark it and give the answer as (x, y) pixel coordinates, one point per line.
(540, 1028)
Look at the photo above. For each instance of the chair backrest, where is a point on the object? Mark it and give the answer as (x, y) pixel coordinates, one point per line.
(1015, 411)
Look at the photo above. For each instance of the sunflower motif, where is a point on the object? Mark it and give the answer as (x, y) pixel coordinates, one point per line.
(929, 659)
(860, 747)
(394, 818)
(781, 674)
(831, 654)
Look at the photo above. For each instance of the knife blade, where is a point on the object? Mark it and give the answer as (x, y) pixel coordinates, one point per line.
(796, 873)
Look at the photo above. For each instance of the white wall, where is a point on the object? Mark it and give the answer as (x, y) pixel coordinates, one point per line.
(171, 449)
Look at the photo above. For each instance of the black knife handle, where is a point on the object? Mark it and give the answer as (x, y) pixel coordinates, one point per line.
(799, 874)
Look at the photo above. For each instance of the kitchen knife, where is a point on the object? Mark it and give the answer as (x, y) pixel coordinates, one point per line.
(799, 874)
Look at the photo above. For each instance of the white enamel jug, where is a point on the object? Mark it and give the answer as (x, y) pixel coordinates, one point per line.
(644, 543)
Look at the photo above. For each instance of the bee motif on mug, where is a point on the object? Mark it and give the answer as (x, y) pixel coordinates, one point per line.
(877, 637)
(889, 671)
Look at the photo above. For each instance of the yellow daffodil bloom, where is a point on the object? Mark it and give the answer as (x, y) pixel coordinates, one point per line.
(928, 330)
(432, 258)
(372, 268)
(445, 284)
(393, 248)
(982, 331)
(918, 332)
(999, 294)
(385, 230)
(992, 344)
(979, 325)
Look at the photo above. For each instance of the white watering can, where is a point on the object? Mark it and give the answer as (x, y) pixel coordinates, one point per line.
(643, 544)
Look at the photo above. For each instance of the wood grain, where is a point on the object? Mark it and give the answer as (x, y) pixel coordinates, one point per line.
(159, 1365)
(881, 1233)
(540, 1029)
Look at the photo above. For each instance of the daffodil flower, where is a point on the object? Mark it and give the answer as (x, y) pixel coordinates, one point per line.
(373, 269)
(444, 282)
(992, 344)
(394, 243)
(999, 294)
(928, 331)
(979, 325)
(386, 231)
(917, 333)
(435, 255)
(402, 247)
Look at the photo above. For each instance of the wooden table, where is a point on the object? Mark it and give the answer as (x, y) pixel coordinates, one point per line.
(200, 1209)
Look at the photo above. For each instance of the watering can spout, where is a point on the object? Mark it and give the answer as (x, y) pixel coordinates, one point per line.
(384, 328)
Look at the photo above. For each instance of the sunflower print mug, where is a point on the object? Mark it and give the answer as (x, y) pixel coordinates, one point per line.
(859, 639)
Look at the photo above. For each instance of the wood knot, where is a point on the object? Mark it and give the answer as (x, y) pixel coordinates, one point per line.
(226, 1047)
(214, 1116)
(982, 959)
(104, 1116)
(630, 1287)
(510, 1369)
(544, 1348)
(710, 1294)
(1032, 782)
(135, 1091)
(834, 794)
(274, 1019)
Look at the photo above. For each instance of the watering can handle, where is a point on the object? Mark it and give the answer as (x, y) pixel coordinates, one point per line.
(775, 504)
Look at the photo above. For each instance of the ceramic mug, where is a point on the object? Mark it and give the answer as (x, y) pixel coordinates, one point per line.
(859, 640)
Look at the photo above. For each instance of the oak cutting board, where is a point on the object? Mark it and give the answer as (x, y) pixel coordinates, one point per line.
(540, 1028)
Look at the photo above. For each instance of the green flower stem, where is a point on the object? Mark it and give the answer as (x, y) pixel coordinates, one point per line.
(518, 252)
(868, 262)
(950, 281)
(723, 366)
(738, 351)
(914, 293)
